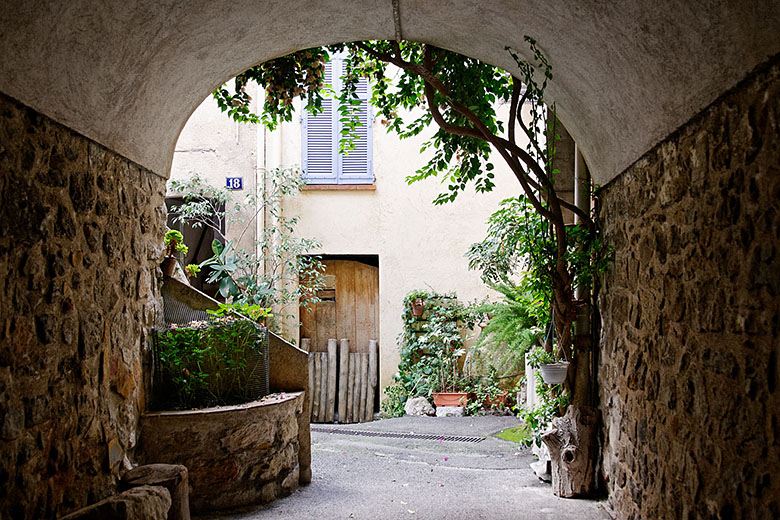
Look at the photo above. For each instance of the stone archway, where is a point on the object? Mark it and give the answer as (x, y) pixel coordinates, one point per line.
(129, 75)
(122, 79)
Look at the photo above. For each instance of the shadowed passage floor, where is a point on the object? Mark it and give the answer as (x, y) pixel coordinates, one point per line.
(433, 468)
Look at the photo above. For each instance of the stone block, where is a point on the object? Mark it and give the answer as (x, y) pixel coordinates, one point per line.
(60, 300)
(249, 465)
(450, 411)
(141, 503)
(419, 406)
(172, 477)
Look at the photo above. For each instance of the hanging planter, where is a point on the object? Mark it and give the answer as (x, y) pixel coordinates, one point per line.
(554, 373)
(418, 307)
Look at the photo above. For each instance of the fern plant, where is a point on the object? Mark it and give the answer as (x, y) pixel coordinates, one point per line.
(515, 325)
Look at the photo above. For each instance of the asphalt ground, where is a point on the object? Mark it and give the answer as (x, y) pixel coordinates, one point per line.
(387, 478)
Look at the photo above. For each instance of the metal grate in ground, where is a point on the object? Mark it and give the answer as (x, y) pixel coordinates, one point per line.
(398, 435)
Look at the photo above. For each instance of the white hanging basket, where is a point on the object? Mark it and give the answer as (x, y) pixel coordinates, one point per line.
(555, 373)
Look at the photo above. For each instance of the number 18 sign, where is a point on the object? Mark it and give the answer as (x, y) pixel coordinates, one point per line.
(234, 183)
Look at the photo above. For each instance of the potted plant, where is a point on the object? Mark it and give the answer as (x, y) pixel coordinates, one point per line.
(452, 388)
(416, 301)
(487, 393)
(173, 246)
(192, 270)
(432, 346)
(553, 370)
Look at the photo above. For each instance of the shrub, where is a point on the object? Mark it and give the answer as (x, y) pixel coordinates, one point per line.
(209, 363)
(432, 344)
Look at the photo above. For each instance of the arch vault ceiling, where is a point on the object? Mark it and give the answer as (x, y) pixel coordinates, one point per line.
(627, 73)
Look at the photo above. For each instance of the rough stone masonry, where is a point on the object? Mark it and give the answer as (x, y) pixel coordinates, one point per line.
(691, 312)
(80, 240)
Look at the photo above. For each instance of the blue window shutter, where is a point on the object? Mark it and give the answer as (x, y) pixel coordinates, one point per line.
(320, 143)
(355, 165)
(322, 163)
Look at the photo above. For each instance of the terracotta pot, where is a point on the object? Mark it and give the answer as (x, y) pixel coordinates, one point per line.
(451, 398)
(168, 266)
(554, 374)
(498, 401)
(418, 307)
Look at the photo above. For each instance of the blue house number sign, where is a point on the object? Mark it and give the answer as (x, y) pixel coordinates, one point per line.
(234, 183)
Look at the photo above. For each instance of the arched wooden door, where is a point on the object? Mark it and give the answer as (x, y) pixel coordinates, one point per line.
(343, 379)
(349, 307)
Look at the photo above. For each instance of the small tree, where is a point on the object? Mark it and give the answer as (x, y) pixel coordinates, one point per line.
(460, 95)
(281, 269)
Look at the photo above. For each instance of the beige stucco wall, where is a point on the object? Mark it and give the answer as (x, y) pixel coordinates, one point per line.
(419, 245)
(215, 147)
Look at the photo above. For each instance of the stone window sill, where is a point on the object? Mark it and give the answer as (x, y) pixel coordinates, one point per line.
(339, 187)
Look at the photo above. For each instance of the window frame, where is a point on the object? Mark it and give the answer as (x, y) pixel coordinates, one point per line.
(338, 177)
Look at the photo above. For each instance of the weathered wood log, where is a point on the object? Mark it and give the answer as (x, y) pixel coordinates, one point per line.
(312, 384)
(332, 371)
(572, 446)
(343, 375)
(323, 385)
(306, 344)
(372, 379)
(363, 387)
(356, 390)
(350, 387)
(315, 407)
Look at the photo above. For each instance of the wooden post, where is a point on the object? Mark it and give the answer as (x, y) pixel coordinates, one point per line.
(343, 378)
(363, 386)
(350, 387)
(323, 385)
(355, 381)
(332, 371)
(356, 403)
(312, 386)
(373, 379)
(315, 408)
(572, 445)
(306, 344)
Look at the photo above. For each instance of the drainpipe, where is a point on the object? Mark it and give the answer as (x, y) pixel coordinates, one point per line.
(582, 337)
(273, 158)
(261, 152)
(260, 169)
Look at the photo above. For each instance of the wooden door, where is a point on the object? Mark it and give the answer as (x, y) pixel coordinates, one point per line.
(349, 307)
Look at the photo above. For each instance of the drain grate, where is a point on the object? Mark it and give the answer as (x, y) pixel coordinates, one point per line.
(398, 435)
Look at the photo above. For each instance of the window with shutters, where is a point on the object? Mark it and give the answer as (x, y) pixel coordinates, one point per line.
(322, 162)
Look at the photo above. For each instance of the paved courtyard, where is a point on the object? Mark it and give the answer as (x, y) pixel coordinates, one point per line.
(382, 477)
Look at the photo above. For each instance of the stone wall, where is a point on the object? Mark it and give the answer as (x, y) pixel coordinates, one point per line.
(235, 455)
(691, 309)
(80, 241)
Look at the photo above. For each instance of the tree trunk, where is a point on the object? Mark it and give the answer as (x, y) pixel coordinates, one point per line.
(572, 445)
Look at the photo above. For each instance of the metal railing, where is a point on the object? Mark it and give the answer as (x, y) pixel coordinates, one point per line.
(183, 305)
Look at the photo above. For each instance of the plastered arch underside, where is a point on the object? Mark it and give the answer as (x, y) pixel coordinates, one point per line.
(626, 75)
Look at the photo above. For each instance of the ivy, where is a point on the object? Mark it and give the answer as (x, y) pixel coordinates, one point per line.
(431, 345)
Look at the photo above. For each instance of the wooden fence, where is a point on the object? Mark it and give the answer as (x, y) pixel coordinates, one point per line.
(343, 383)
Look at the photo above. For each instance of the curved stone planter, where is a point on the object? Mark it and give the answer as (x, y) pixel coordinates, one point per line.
(236, 455)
